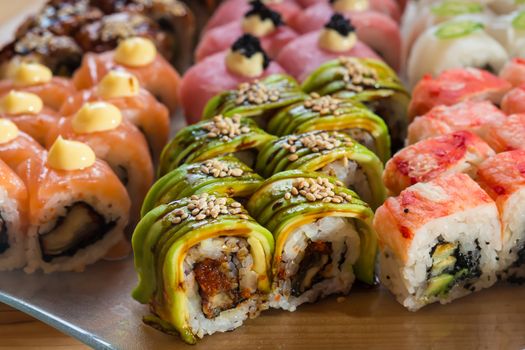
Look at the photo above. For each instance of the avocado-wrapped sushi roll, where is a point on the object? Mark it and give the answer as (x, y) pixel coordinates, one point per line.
(323, 236)
(203, 266)
(211, 138)
(334, 114)
(331, 153)
(439, 241)
(370, 82)
(224, 175)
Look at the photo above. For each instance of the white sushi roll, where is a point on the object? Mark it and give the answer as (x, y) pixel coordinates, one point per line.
(509, 31)
(501, 7)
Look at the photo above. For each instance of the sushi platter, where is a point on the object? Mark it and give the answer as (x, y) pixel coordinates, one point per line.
(273, 174)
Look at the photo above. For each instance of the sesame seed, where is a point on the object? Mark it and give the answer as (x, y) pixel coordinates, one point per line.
(293, 157)
(318, 189)
(357, 76)
(287, 195)
(255, 93)
(225, 128)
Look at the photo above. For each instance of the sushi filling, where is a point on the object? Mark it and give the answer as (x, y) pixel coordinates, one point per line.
(313, 267)
(351, 175)
(247, 156)
(394, 115)
(80, 227)
(4, 237)
(363, 137)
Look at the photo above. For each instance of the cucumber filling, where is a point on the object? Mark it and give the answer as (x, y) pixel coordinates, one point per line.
(313, 267)
(4, 238)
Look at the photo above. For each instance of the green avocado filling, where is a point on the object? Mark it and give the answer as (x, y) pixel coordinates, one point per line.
(457, 29)
(519, 21)
(4, 238)
(456, 8)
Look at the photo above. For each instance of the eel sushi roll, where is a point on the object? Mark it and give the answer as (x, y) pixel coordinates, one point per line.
(338, 38)
(506, 136)
(38, 79)
(78, 208)
(458, 43)
(456, 85)
(514, 101)
(138, 106)
(260, 21)
(458, 152)
(503, 178)
(224, 176)
(316, 222)
(139, 57)
(211, 138)
(16, 146)
(332, 114)
(331, 153)
(370, 82)
(466, 115)
(203, 266)
(246, 61)
(439, 241)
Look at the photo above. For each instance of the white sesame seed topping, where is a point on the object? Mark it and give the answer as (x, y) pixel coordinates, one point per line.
(319, 189)
(225, 128)
(256, 93)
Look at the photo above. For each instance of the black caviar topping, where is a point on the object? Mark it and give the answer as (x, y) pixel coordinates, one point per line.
(264, 12)
(248, 45)
(340, 24)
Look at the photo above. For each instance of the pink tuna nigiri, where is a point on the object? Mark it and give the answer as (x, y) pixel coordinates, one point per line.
(506, 136)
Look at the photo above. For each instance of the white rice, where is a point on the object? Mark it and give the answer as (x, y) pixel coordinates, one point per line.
(352, 176)
(13, 257)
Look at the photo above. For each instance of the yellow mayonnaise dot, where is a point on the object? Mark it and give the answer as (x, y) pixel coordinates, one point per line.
(96, 116)
(70, 155)
(331, 40)
(19, 102)
(8, 130)
(250, 67)
(118, 84)
(135, 52)
(27, 74)
(350, 5)
(257, 26)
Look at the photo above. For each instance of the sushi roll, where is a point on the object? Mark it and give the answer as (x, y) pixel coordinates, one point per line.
(502, 7)
(507, 135)
(244, 62)
(514, 72)
(330, 153)
(315, 221)
(457, 43)
(260, 21)
(139, 57)
(514, 101)
(441, 120)
(370, 82)
(211, 138)
(29, 114)
(203, 266)
(225, 176)
(439, 241)
(337, 39)
(38, 79)
(333, 114)
(137, 105)
(16, 146)
(456, 85)
(508, 30)
(458, 152)
(503, 177)
(78, 208)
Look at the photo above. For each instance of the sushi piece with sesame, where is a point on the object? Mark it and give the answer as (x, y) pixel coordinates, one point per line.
(507, 135)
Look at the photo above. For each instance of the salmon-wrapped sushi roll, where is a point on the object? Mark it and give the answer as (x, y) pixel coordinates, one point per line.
(203, 266)
(315, 221)
(439, 241)
(514, 101)
(456, 85)
(78, 208)
(441, 120)
(507, 135)
(16, 146)
(459, 152)
(514, 72)
(139, 57)
(503, 177)
(137, 105)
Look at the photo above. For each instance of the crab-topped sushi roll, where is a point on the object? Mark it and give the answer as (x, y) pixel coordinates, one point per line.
(458, 152)
(507, 135)
(331, 153)
(139, 57)
(77, 208)
(15, 145)
(316, 222)
(456, 85)
(260, 21)
(514, 72)
(370, 82)
(514, 101)
(439, 241)
(441, 120)
(224, 175)
(303, 55)
(211, 138)
(203, 266)
(333, 114)
(138, 106)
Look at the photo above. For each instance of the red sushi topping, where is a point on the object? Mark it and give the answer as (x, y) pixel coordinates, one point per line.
(405, 232)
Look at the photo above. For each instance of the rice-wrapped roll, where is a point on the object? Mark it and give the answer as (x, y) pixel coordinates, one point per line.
(514, 101)
(370, 82)
(331, 153)
(509, 31)
(203, 266)
(439, 241)
(78, 209)
(334, 114)
(454, 44)
(441, 120)
(507, 135)
(316, 222)
(211, 138)
(503, 178)
(458, 152)
(225, 175)
(16, 146)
